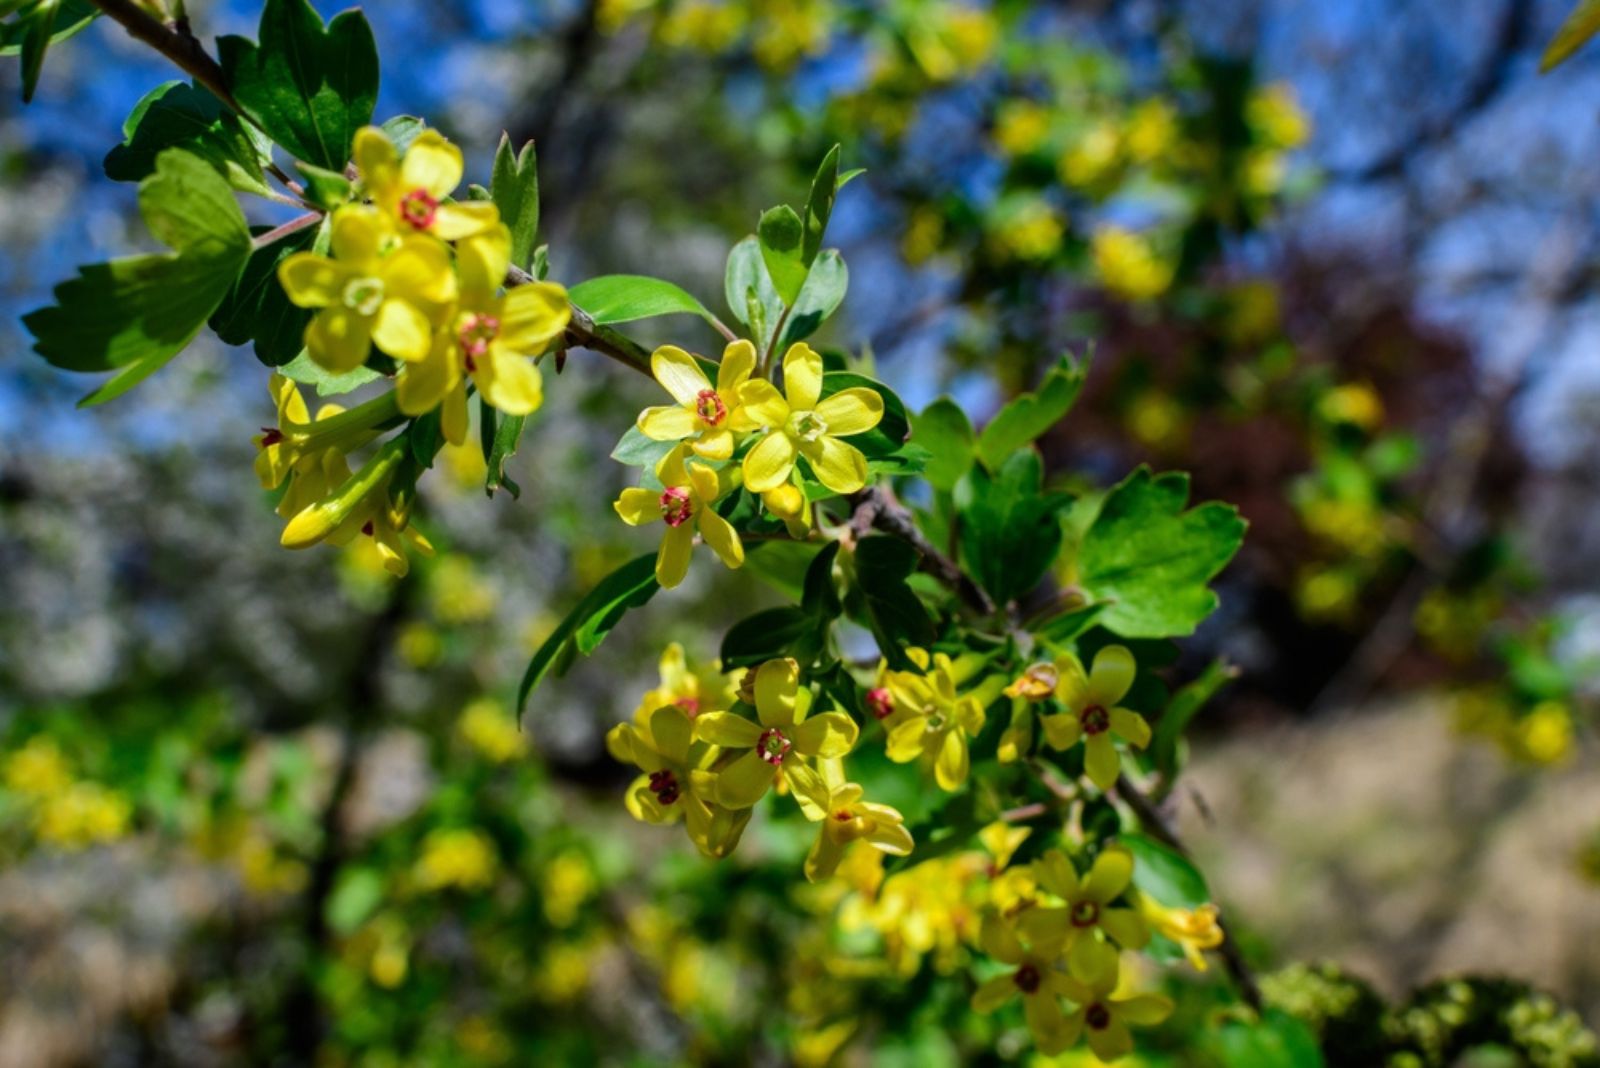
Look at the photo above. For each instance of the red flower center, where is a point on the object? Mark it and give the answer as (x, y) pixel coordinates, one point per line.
(664, 785)
(1095, 720)
(709, 407)
(1097, 1016)
(418, 208)
(1027, 978)
(270, 435)
(1085, 914)
(690, 706)
(879, 701)
(773, 746)
(676, 508)
(475, 334)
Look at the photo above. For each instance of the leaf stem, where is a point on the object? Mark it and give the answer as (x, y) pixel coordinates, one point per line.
(298, 223)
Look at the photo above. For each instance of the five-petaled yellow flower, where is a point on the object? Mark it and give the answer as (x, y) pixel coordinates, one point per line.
(703, 414)
(780, 742)
(798, 422)
(1092, 714)
(491, 338)
(685, 506)
(1034, 976)
(929, 719)
(1194, 929)
(676, 783)
(411, 190)
(377, 287)
(1105, 1009)
(1086, 907)
(849, 819)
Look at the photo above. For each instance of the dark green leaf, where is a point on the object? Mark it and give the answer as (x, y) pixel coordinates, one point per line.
(1582, 24)
(427, 438)
(624, 298)
(819, 297)
(586, 626)
(1181, 710)
(503, 433)
(751, 296)
(943, 429)
(1152, 560)
(820, 597)
(892, 611)
(256, 308)
(767, 634)
(782, 238)
(1030, 415)
(178, 115)
(1010, 528)
(38, 27)
(783, 565)
(819, 205)
(1165, 874)
(69, 17)
(514, 188)
(309, 87)
(1276, 1040)
(137, 313)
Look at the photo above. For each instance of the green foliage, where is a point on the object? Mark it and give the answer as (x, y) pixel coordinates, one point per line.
(1010, 528)
(308, 86)
(624, 298)
(500, 434)
(891, 433)
(1152, 560)
(256, 308)
(136, 314)
(1027, 417)
(782, 237)
(179, 115)
(751, 296)
(1276, 1040)
(587, 625)
(1581, 25)
(788, 630)
(305, 370)
(944, 430)
(1180, 711)
(820, 296)
(885, 602)
(514, 188)
(1165, 874)
(38, 25)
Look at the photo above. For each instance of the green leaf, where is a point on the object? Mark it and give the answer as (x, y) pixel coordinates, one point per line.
(356, 896)
(637, 450)
(402, 130)
(324, 188)
(1010, 528)
(1276, 1040)
(892, 611)
(25, 33)
(256, 308)
(1582, 24)
(943, 429)
(1165, 874)
(819, 596)
(782, 565)
(782, 239)
(308, 372)
(885, 439)
(179, 115)
(624, 298)
(1066, 626)
(501, 436)
(819, 205)
(819, 298)
(514, 188)
(309, 87)
(586, 626)
(1152, 559)
(751, 296)
(1181, 710)
(765, 635)
(1030, 415)
(38, 28)
(137, 313)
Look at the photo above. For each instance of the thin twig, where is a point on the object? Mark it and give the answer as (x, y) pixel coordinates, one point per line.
(300, 222)
(876, 508)
(183, 49)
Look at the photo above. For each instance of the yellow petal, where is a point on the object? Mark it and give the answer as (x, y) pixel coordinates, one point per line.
(1100, 760)
(851, 411)
(720, 535)
(452, 222)
(839, 466)
(376, 161)
(357, 234)
(767, 466)
(672, 562)
(1130, 727)
(1112, 675)
(727, 729)
(401, 330)
(745, 781)
(533, 315)
(825, 855)
(509, 382)
(1125, 927)
(678, 373)
(638, 506)
(950, 769)
(481, 261)
(832, 734)
(453, 419)
(810, 790)
(1043, 1013)
(672, 732)
(802, 376)
(703, 482)
(339, 339)
(312, 281)
(777, 683)
(431, 164)
(422, 385)
(760, 405)
(713, 444)
(419, 271)
(1110, 875)
(666, 423)
(1062, 730)
(671, 469)
(1144, 1009)
(993, 993)
(1072, 683)
(998, 940)
(1057, 875)
(738, 361)
(907, 740)
(891, 838)
(1111, 1042)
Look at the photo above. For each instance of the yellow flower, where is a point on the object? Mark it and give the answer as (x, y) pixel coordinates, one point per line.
(1152, 130)
(799, 423)
(1092, 158)
(1105, 1010)
(676, 783)
(779, 743)
(1086, 908)
(492, 731)
(930, 719)
(298, 444)
(685, 505)
(491, 338)
(411, 191)
(1029, 230)
(37, 769)
(1034, 976)
(82, 815)
(1128, 265)
(1193, 929)
(1021, 127)
(1356, 403)
(1037, 683)
(1544, 735)
(568, 882)
(378, 287)
(693, 689)
(702, 415)
(848, 820)
(1275, 115)
(460, 857)
(1092, 715)
(788, 502)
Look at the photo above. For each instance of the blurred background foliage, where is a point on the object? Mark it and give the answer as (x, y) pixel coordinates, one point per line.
(1337, 260)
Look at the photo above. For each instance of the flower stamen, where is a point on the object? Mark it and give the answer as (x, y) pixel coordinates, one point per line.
(709, 407)
(676, 508)
(1094, 720)
(418, 208)
(773, 746)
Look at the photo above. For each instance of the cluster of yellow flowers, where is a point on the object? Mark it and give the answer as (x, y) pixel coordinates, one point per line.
(1077, 706)
(64, 812)
(420, 277)
(711, 423)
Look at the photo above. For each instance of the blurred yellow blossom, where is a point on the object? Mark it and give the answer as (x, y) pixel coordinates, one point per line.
(419, 644)
(38, 769)
(83, 814)
(263, 869)
(1021, 127)
(1128, 265)
(462, 858)
(492, 730)
(1092, 158)
(458, 593)
(1275, 115)
(1355, 403)
(1152, 130)
(706, 27)
(567, 883)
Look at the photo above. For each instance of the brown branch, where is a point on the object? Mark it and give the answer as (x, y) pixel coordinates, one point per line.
(876, 508)
(1157, 826)
(176, 43)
